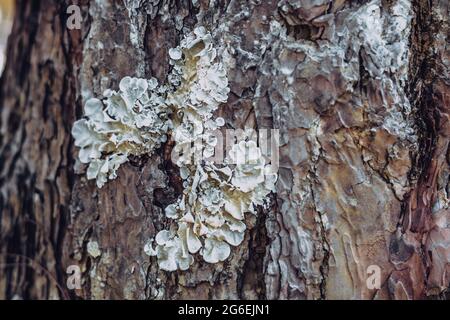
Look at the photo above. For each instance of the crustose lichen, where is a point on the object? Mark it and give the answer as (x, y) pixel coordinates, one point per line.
(210, 215)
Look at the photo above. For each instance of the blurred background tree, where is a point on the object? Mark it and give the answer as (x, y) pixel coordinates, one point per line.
(6, 12)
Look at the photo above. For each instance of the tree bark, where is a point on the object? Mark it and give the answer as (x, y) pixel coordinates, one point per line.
(360, 91)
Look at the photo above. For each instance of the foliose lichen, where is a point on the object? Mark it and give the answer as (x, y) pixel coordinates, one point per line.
(131, 122)
(209, 217)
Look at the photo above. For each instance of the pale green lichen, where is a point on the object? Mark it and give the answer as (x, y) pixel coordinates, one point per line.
(93, 249)
(131, 122)
(210, 215)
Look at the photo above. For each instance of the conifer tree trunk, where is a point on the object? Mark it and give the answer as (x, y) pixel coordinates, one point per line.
(360, 91)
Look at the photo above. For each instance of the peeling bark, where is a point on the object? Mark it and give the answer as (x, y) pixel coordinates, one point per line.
(359, 91)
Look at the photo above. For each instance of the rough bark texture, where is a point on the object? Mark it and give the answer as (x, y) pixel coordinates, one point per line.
(360, 91)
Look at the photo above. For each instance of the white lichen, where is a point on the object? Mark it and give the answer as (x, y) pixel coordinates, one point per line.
(131, 122)
(93, 249)
(209, 217)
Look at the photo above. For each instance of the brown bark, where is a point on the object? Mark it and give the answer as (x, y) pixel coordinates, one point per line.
(364, 175)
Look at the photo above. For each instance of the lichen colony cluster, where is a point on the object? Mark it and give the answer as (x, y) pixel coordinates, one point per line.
(209, 217)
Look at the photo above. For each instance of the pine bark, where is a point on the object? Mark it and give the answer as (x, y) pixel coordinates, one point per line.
(364, 156)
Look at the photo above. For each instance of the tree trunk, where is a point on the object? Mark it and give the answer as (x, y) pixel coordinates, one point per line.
(360, 91)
